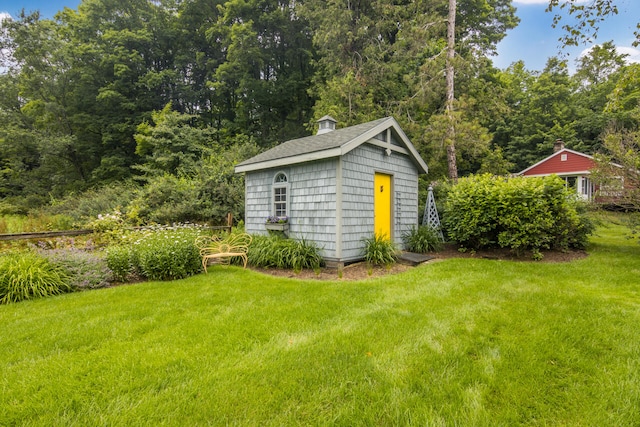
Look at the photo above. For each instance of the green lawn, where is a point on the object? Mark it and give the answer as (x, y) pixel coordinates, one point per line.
(462, 342)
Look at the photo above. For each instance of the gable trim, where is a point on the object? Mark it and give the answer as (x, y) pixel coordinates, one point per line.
(285, 161)
(392, 147)
(563, 174)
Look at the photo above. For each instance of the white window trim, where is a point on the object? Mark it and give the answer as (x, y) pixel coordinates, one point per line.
(275, 185)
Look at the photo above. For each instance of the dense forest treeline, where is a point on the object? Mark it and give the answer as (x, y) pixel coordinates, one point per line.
(151, 103)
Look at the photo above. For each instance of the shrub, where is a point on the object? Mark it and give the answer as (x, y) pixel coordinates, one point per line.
(274, 251)
(168, 198)
(91, 203)
(379, 250)
(86, 270)
(26, 275)
(517, 213)
(156, 253)
(120, 262)
(107, 222)
(423, 239)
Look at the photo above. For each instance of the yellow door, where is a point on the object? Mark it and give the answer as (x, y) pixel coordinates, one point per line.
(382, 205)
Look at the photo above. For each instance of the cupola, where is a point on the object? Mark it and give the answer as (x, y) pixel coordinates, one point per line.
(326, 124)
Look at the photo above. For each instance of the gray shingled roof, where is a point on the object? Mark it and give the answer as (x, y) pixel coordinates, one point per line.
(332, 144)
(315, 143)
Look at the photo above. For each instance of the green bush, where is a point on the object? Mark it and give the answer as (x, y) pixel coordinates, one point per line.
(168, 198)
(91, 203)
(276, 252)
(113, 221)
(379, 250)
(156, 253)
(423, 239)
(518, 213)
(26, 275)
(86, 270)
(120, 262)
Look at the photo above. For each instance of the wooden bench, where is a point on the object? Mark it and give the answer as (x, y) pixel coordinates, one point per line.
(222, 250)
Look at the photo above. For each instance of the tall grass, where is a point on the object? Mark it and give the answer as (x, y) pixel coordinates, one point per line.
(423, 239)
(27, 275)
(466, 342)
(12, 224)
(379, 250)
(276, 252)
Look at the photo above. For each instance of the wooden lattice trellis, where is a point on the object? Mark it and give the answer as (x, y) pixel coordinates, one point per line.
(430, 216)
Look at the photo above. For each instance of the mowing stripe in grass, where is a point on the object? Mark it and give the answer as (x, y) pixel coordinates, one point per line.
(458, 342)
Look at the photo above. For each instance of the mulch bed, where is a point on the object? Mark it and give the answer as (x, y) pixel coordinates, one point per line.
(361, 271)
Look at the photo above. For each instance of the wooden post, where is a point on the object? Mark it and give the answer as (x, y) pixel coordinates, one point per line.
(230, 221)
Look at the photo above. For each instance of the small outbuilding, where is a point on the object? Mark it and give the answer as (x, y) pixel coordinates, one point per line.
(572, 166)
(337, 187)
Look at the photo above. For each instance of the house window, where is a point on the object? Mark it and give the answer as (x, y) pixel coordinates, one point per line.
(280, 195)
(570, 181)
(586, 187)
(563, 157)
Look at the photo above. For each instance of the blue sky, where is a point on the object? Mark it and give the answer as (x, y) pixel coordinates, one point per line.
(533, 41)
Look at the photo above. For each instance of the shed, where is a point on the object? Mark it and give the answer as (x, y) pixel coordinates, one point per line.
(572, 166)
(337, 187)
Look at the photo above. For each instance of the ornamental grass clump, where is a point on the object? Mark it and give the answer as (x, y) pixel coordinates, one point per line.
(27, 275)
(423, 239)
(379, 250)
(276, 252)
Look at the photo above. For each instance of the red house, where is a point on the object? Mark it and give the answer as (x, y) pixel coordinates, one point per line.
(572, 166)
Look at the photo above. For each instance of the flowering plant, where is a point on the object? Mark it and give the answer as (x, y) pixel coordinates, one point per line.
(277, 220)
(107, 222)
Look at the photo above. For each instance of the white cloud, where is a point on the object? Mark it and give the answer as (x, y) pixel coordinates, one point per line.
(530, 1)
(545, 2)
(633, 54)
(3, 16)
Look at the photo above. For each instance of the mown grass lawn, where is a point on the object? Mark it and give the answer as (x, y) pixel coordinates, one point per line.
(466, 342)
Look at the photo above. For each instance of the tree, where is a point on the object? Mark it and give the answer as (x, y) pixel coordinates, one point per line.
(264, 78)
(596, 76)
(41, 106)
(389, 56)
(542, 111)
(188, 176)
(620, 162)
(599, 64)
(587, 19)
(472, 143)
(170, 144)
(618, 170)
(450, 96)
